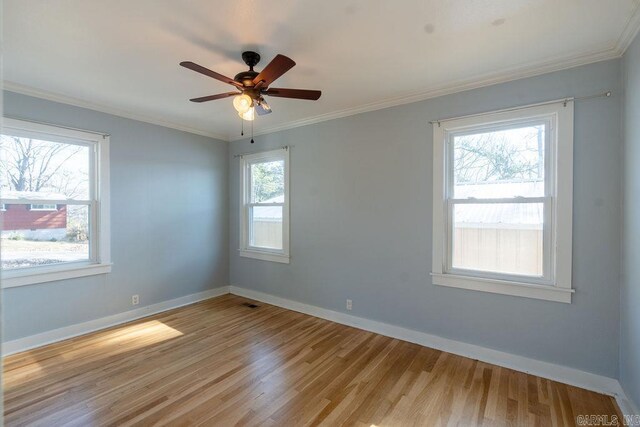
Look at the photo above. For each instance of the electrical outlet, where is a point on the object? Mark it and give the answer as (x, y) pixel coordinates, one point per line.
(135, 299)
(349, 304)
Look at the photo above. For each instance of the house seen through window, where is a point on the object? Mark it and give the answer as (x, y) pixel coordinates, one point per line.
(49, 189)
(38, 176)
(44, 207)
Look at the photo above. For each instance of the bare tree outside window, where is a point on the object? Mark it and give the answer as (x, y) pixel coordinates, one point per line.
(55, 172)
(514, 155)
(32, 165)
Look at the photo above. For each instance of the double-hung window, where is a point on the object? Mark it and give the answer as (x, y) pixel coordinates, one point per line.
(54, 186)
(264, 210)
(503, 202)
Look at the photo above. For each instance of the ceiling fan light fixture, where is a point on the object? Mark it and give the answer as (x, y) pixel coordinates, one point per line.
(265, 106)
(242, 103)
(251, 85)
(248, 115)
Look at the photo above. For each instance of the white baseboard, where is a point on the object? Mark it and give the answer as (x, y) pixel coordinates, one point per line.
(55, 335)
(563, 374)
(627, 406)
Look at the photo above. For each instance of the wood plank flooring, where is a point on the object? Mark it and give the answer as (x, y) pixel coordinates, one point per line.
(222, 363)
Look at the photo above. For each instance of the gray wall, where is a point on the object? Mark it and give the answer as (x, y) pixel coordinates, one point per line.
(169, 217)
(630, 294)
(361, 224)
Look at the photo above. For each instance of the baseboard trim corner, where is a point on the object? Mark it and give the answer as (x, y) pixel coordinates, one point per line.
(555, 372)
(626, 405)
(71, 331)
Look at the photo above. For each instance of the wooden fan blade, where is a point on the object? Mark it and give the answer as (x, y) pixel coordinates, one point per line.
(207, 72)
(277, 67)
(312, 95)
(214, 97)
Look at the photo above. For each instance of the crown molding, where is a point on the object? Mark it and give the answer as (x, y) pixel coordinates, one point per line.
(628, 34)
(630, 30)
(50, 96)
(521, 72)
(516, 73)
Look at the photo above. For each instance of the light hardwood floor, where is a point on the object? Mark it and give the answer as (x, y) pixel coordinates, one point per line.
(219, 362)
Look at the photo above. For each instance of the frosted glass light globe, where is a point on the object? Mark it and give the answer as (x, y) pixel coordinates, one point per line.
(242, 103)
(248, 115)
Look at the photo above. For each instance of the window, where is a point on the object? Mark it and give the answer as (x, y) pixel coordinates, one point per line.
(503, 202)
(264, 210)
(56, 182)
(44, 207)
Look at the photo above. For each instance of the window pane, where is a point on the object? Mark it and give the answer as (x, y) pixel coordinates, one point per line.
(266, 227)
(32, 238)
(499, 164)
(267, 182)
(499, 237)
(43, 170)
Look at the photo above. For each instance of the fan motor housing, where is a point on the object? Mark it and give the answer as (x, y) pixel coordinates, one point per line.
(246, 77)
(244, 81)
(251, 58)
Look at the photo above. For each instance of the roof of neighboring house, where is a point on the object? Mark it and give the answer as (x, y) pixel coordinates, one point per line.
(529, 214)
(499, 189)
(269, 213)
(31, 195)
(508, 214)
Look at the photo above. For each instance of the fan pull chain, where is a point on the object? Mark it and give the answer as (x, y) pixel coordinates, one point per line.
(242, 128)
(252, 131)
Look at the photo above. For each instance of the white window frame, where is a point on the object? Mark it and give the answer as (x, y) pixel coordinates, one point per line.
(555, 285)
(45, 208)
(246, 250)
(99, 205)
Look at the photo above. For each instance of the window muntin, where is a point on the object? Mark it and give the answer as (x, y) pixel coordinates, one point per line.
(506, 227)
(56, 222)
(264, 210)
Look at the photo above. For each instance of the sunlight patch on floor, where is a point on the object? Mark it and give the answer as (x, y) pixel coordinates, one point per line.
(119, 340)
(139, 335)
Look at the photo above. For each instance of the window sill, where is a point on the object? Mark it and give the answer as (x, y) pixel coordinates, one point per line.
(519, 289)
(24, 278)
(265, 256)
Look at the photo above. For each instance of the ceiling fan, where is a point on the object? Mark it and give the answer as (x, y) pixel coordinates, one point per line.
(252, 85)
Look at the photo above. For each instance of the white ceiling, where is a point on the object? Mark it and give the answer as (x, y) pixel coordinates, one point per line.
(121, 56)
